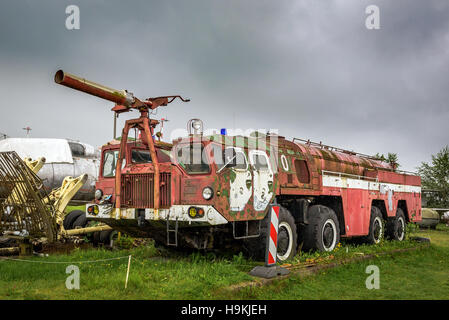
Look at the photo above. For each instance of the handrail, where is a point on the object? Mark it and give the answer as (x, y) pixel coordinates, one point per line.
(331, 148)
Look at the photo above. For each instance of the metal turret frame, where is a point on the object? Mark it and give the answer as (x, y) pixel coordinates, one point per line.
(125, 102)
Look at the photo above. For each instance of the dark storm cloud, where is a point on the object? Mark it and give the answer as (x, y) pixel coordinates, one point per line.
(309, 68)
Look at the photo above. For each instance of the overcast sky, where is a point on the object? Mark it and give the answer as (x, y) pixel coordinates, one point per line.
(308, 68)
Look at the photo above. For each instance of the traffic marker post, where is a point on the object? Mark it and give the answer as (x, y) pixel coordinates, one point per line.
(270, 270)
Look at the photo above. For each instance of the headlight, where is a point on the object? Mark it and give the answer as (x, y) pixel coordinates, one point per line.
(98, 194)
(208, 193)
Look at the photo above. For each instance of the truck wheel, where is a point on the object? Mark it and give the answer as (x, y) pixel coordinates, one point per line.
(396, 227)
(286, 242)
(287, 236)
(70, 218)
(376, 227)
(323, 231)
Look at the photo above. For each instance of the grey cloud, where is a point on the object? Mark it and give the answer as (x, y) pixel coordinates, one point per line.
(309, 68)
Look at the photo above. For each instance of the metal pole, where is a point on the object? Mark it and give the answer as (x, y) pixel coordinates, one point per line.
(115, 125)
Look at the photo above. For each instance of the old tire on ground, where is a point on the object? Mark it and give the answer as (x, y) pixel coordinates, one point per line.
(323, 231)
(80, 222)
(70, 218)
(396, 227)
(286, 241)
(376, 227)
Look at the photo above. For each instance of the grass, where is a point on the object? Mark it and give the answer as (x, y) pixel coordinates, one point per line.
(69, 209)
(418, 274)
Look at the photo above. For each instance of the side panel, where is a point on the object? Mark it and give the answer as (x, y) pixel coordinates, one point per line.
(356, 208)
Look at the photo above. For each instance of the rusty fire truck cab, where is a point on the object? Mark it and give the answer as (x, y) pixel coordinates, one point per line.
(207, 186)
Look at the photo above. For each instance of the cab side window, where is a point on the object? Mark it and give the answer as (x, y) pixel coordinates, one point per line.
(109, 163)
(240, 160)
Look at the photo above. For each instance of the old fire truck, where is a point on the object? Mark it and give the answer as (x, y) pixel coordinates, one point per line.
(214, 191)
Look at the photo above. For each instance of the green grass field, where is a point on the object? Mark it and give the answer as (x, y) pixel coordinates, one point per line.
(154, 274)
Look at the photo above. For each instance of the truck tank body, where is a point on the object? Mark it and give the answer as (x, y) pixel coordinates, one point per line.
(341, 161)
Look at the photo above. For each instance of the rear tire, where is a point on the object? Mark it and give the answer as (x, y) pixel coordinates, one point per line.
(396, 227)
(323, 231)
(376, 227)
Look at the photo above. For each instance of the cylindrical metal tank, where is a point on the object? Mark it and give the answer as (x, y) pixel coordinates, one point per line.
(342, 161)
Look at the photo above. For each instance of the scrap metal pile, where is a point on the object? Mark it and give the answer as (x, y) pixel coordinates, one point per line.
(24, 210)
(27, 211)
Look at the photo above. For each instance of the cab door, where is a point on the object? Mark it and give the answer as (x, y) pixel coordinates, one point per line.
(240, 182)
(262, 179)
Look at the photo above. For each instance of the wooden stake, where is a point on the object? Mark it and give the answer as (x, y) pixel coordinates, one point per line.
(127, 272)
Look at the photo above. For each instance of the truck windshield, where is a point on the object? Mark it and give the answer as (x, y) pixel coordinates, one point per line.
(193, 159)
(140, 156)
(109, 163)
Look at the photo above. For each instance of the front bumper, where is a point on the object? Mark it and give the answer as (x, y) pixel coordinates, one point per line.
(174, 213)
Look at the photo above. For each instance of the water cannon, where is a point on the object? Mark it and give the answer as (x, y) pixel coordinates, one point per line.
(124, 100)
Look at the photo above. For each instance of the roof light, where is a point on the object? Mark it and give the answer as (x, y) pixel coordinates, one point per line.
(196, 125)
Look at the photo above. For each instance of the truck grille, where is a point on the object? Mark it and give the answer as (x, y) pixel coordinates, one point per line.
(138, 190)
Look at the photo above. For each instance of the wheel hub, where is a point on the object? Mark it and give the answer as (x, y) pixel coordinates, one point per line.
(283, 241)
(328, 235)
(377, 232)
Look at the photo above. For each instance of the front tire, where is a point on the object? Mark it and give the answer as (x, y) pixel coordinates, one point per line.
(323, 231)
(286, 240)
(287, 236)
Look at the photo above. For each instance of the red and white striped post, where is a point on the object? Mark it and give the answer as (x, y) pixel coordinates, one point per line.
(270, 256)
